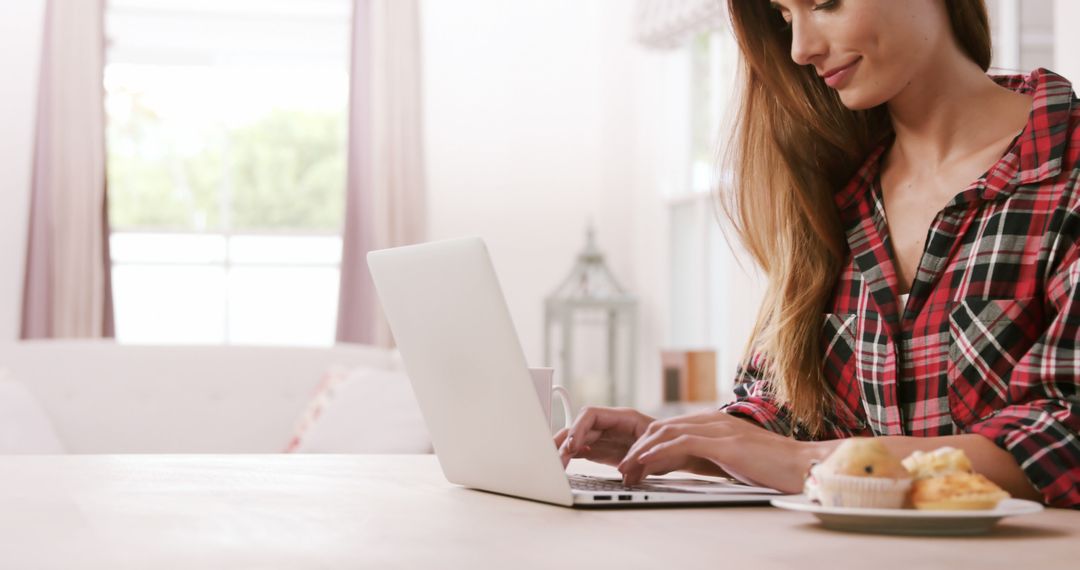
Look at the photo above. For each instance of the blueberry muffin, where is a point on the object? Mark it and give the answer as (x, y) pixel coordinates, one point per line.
(860, 473)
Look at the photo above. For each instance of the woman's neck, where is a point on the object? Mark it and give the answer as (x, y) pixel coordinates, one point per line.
(950, 111)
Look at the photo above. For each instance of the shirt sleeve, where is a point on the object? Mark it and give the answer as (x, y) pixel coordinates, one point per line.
(754, 402)
(1041, 426)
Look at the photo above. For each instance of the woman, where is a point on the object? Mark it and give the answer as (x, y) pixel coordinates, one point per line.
(917, 221)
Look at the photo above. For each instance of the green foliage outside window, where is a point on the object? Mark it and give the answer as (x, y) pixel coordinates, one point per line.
(284, 171)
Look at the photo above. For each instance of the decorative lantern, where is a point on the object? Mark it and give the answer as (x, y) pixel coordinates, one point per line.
(590, 324)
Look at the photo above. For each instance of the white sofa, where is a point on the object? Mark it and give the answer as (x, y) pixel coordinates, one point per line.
(102, 397)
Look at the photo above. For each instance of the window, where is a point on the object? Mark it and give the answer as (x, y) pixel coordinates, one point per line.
(713, 69)
(706, 278)
(226, 168)
(1023, 39)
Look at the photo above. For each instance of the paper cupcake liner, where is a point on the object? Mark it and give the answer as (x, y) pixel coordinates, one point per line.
(865, 492)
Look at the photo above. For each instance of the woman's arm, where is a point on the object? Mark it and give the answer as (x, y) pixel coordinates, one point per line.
(758, 456)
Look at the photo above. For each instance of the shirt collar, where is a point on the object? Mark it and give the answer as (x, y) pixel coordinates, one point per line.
(1040, 148)
(1036, 156)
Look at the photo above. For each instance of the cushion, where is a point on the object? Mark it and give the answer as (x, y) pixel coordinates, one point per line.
(364, 410)
(25, 428)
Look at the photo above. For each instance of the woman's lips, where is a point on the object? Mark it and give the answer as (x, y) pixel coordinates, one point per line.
(837, 77)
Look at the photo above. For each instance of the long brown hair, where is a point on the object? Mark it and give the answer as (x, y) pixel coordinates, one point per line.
(796, 145)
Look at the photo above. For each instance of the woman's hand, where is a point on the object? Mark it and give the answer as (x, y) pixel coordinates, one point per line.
(603, 435)
(729, 444)
(606, 435)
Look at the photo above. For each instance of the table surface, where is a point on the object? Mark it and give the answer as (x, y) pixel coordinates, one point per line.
(336, 511)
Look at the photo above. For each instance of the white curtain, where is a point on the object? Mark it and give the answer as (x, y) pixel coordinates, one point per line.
(385, 194)
(668, 24)
(67, 290)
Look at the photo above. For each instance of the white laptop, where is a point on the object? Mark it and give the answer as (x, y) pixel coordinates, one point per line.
(453, 328)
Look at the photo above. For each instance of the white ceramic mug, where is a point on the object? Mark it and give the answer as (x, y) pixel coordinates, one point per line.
(543, 380)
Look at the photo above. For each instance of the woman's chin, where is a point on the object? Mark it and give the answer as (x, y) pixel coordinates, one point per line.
(858, 99)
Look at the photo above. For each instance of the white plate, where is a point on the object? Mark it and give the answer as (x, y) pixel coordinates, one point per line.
(909, 521)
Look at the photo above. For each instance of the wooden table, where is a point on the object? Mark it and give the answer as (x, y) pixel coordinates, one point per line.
(309, 511)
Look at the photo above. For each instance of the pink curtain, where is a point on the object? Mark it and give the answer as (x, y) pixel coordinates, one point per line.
(67, 287)
(356, 299)
(385, 196)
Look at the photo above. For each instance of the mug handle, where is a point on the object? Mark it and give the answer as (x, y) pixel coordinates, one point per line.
(568, 408)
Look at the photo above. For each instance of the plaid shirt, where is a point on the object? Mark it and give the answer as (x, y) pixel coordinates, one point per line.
(989, 341)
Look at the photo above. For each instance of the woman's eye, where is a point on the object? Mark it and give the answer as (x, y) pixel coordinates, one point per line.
(785, 17)
(782, 15)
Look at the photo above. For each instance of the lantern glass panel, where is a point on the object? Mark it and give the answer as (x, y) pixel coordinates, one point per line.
(589, 332)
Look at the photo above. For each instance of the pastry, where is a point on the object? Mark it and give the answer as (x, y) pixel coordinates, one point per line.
(945, 480)
(859, 473)
(956, 491)
(941, 461)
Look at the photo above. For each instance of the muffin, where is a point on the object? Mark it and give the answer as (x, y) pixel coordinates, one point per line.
(941, 461)
(859, 473)
(945, 481)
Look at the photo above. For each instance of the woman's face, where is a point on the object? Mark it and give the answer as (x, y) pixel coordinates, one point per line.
(867, 50)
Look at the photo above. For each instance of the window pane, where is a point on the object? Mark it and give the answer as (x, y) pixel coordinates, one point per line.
(167, 248)
(202, 148)
(689, 273)
(292, 250)
(227, 115)
(258, 315)
(287, 170)
(702, 118)
(158, 304)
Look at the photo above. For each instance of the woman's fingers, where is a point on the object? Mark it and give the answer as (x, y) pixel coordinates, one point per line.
(607, 447)
(560, 437)
(563, 435)
(657, 435)
(640, 471)
(684, 445)
(604, 419)
(707, 423)
(583, 449)
(620, 436)
(667, 456)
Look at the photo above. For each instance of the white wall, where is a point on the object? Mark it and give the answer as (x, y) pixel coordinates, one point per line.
(537, 120)
(20, 49)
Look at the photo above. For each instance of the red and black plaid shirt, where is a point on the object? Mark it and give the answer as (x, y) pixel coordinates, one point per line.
(989, 341)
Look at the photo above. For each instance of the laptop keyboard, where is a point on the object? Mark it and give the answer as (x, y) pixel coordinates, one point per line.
(587, 483)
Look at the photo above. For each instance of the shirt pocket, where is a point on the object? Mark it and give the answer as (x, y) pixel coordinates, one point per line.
(987, 337)
(838, 338)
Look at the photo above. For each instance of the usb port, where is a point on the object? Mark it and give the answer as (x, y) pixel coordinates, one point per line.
(602, 498)
(625, 498)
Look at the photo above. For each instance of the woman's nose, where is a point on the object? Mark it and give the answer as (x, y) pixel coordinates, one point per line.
(807, 42)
